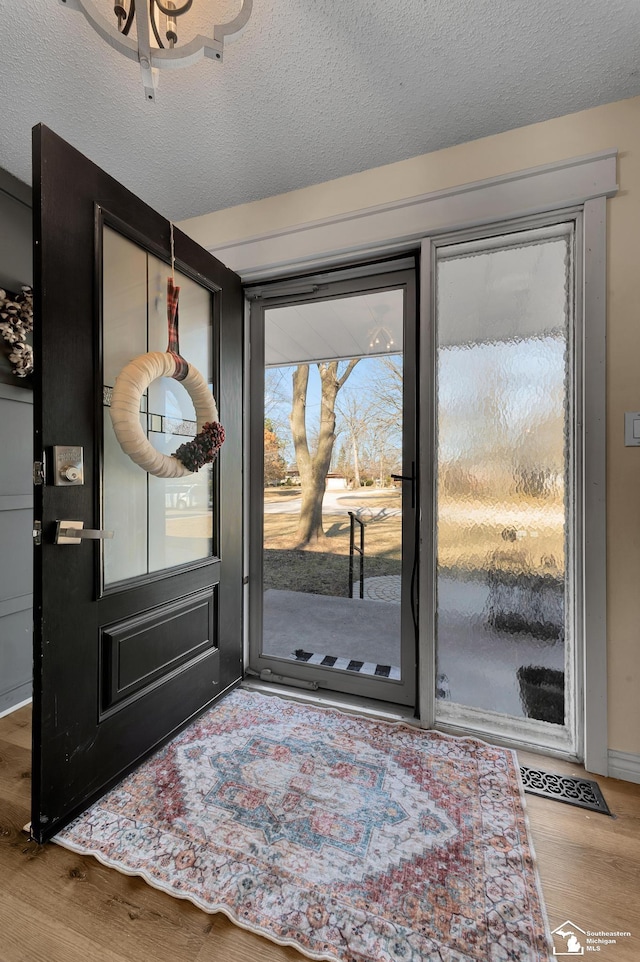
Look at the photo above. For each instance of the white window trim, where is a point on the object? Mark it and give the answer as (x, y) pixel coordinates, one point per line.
(594, 437)
(401, 225)
(563, 741)
(583, 182)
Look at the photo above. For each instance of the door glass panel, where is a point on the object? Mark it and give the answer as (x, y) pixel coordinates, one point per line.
(504, 505)
(124, 309)
(333, 438)
(180, 517)
(158, 523)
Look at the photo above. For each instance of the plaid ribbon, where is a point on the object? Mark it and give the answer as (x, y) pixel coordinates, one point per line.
(182, 366)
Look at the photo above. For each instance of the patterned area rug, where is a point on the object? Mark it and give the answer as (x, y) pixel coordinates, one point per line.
(350, 839)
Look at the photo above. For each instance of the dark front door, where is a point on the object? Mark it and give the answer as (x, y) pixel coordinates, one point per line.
(134, 634)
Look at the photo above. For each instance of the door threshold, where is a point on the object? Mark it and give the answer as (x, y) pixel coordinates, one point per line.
(524, 734)
(353, 704)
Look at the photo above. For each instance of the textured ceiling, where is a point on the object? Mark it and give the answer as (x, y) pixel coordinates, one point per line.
(310, 90)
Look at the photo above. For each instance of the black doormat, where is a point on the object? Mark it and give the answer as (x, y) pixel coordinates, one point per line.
(564, 788)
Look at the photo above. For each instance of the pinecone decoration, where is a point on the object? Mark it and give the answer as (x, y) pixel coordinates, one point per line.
(204, 447)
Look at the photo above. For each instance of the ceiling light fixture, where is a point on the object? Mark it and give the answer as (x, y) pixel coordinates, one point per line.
(378, 335)
(156, 27)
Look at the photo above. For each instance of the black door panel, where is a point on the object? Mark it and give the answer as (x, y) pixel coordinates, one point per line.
(117, 670)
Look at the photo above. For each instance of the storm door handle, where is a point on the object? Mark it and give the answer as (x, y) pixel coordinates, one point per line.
(409, 477)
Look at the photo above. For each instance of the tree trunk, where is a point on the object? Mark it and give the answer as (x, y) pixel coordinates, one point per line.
(356, 463)
(314, 468)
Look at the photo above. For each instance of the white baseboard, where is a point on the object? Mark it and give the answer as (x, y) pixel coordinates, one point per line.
(13, 708)
(624, 765)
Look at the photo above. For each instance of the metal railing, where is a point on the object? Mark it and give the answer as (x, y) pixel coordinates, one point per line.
(356, 549)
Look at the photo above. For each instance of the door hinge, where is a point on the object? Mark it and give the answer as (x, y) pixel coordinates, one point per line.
(37, 532)
(39, 472)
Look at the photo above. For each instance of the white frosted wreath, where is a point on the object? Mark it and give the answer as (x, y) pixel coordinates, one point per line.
(130, 385)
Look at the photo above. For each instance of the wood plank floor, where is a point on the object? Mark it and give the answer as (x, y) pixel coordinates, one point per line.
(56, 906)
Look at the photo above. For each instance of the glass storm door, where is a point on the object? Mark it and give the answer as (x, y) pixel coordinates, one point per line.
(334, 493)
(505, 493)
(134, 635)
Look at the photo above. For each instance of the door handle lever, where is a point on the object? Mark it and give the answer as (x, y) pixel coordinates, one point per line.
(409, 477)
(73, 532)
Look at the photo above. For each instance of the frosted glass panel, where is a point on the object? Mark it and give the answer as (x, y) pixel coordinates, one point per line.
(125, 511)
(157, 523)
(124, 333)
(503, 509)
(124, 303)
(180, 511)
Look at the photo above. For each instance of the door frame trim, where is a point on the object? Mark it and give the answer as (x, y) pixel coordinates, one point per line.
(594, 439)
(532, 734)
(388, 229)
(590, 656)
(400, 225)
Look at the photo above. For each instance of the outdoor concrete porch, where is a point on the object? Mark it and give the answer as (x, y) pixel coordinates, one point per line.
(477, 668)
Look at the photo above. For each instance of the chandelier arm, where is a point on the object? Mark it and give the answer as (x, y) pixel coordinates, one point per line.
(223, 30)
(201, 46)
(177, 12)
(107, 30)
(132, 12)
(187, 54)
(149, 57)
(154, 25)
(145, 53)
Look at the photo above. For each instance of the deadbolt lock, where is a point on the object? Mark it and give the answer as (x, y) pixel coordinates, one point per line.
(68, 464)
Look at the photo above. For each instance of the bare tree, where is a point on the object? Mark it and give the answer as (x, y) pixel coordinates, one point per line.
(277, 402)
(355, 413)
(314, 465)
(386, 390)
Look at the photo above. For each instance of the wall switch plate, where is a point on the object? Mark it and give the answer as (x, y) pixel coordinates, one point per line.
(632, 429)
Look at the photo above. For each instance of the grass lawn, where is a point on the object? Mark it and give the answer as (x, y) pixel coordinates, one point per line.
(325, 570)
(523, 535)
(319, 573)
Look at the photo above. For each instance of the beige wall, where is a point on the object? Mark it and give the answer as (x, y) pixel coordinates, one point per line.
(614, 125)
